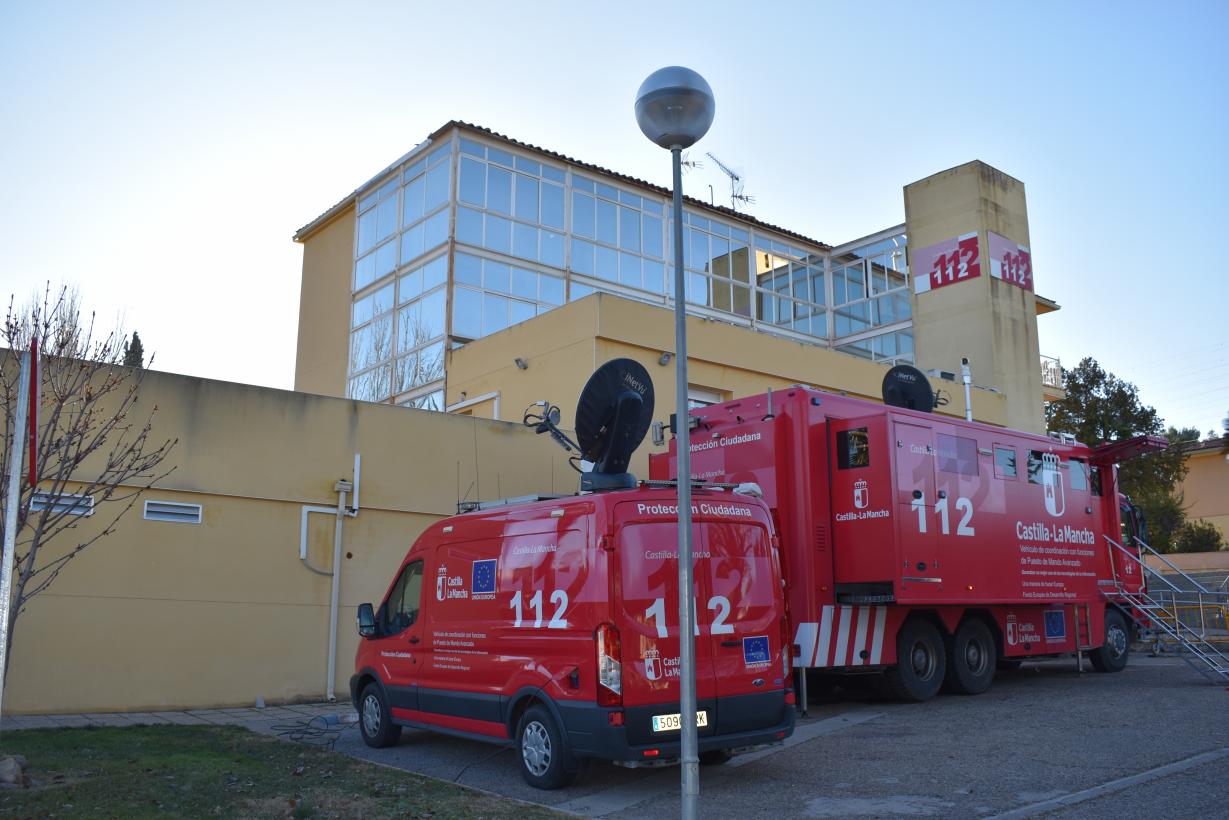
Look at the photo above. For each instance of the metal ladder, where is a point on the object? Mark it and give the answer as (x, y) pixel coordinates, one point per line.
(1190, 621)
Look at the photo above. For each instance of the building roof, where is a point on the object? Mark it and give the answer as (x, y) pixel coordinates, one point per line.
(728, 213)
(1211, 445)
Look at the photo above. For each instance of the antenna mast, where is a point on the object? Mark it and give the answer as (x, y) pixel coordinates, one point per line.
(736, 184)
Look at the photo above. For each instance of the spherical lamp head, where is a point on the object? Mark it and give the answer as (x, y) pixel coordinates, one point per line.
(675, 107)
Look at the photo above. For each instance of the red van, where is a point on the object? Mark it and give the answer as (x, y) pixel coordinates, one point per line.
(553, 626)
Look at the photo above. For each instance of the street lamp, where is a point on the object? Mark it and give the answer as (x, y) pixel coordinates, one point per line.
(674, 109)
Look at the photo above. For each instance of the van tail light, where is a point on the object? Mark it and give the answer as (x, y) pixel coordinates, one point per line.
(609, 667)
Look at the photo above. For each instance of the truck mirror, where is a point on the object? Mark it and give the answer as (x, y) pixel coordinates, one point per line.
(366, 621)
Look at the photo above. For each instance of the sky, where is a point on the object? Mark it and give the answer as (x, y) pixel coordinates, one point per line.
(160, 156)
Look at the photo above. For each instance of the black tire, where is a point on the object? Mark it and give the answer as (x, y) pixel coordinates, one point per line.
(375, 721)
(716, 757)
(1008, 664)
(1112, 656)
(971, 654)
(543, 756)
(920, 662)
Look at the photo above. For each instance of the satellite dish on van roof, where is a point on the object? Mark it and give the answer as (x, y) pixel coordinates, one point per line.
(612, 417)
(906, 386)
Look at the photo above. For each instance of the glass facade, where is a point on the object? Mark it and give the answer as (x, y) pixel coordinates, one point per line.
(531, 233)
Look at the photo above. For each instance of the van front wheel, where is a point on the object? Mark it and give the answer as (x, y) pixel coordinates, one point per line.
(544, 758)
(375, 721)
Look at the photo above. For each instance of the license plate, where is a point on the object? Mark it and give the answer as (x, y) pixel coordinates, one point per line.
(674, 723)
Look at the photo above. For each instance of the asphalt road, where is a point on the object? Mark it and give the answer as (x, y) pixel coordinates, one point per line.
(1150, 742)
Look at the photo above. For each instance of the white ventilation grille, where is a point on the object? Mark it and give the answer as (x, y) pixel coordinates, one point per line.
(63, 502)
(173, 511)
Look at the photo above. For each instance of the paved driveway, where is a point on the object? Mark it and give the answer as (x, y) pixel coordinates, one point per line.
(1150, 742)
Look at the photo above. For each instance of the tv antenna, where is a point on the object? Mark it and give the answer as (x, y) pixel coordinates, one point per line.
(612, 418)
(736, 185)
(688, 163)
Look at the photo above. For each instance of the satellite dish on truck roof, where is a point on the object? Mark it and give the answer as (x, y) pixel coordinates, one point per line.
(906, 386)
(612, 417)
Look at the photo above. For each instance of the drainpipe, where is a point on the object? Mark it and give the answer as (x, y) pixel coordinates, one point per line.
(342, 487)
(967, 378)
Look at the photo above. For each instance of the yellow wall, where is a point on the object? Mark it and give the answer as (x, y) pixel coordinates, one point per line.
(991, 322)
(324, 308)
(1205, 490)
(159, 614)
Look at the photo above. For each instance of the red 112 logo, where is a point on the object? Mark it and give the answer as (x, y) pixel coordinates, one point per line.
(958, 265)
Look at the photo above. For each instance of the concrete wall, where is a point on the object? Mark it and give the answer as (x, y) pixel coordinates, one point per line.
(160, 615)
(324, 308)
(991, 322)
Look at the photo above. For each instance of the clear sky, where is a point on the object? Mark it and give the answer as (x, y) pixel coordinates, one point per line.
(161, 155)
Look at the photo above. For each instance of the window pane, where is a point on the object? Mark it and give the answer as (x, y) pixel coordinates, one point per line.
(436, 231)
(582, 257)
(432, 314)
(551, 290)
(414, 199)
(386, 258)
(524, 283)
(404, 375)
(386, 218)
(607, 222)
(552, 205)
(471, 147)
(853, 449)
(550, 248)
(495, 276)
(607, 266)
(437, 186)
(499, 190)
(362, 311)
(365, 271)
(1004, 462)
(412, 243)
(654, 276)
(699, 251)
(578, 291)
(524, 241)
(498, 234)
(467, 313)
(410, 286)
(469, 226)
(1078, 470)
(366, 231)
(435, 273)
(410, 333)
(521, 311)
(629, 270)
(468, 269)
(652, 236)
(629, 230)
(430, 364)
(582, 215)
(494, 313)
(502, 157)
(553, 173)
(526, 198)
(473, 182)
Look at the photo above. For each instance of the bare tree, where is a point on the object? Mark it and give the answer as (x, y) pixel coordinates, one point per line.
(95, 454)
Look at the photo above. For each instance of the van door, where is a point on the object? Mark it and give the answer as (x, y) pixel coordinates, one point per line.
(741, 621)
(921, 576)
(647, 609)
(400, 652)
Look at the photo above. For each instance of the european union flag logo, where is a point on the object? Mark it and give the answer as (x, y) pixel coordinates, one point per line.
(1056, 624)
(755, 650)
(483, 579)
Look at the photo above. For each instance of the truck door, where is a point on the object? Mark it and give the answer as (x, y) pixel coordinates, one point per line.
(401, 651)
(741, 621)
(921, 575)
(648, 623)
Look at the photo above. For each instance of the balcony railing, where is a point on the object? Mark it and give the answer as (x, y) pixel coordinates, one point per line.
(1051, 372)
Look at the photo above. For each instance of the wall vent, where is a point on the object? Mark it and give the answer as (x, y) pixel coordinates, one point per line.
(173, 511)
(63, 502)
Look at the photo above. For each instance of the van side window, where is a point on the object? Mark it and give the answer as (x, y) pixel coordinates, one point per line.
(1094, 479)
(1078, 470)
(956, 454)
(401, 609)
(1004, 462)
(853, 448)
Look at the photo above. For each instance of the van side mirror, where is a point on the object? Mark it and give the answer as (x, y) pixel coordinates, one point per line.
(366, 621)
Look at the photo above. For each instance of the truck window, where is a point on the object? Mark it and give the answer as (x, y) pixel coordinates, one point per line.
(1005, 462)
(1034, 466)
(957, 454)
(1094, 479)
(853, 448)
(401, 608)
(1079, 474)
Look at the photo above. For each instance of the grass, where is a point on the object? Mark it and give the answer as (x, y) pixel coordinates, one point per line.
(221, 771)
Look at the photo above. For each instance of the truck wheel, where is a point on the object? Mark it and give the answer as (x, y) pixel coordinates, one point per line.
(544, 758)
(375, 721)
(1113, 654)
(716, 757)
(920, 662)
(970, 659)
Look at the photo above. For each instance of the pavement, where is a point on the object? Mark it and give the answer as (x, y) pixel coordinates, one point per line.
(1044, 741)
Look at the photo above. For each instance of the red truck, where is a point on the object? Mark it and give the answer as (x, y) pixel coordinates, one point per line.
(928, 548)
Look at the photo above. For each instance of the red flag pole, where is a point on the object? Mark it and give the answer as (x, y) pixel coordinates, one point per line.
(34, 408)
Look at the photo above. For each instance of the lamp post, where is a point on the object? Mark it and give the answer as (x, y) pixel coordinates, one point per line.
(674, 109)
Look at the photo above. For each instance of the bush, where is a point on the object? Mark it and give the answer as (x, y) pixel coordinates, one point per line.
(1198, 536)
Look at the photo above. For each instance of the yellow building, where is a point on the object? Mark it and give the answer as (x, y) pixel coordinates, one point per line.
(477, 275)
(1205, 490)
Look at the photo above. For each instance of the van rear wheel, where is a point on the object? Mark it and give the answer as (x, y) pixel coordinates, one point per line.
(920, 662)
(1112, 655)
(544, 758)
(375, 721)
